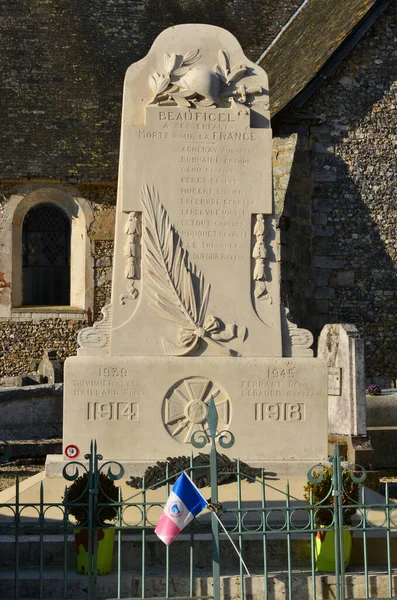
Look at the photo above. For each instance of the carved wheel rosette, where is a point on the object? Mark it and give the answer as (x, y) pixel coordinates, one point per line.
(186, 85)
(185, 407)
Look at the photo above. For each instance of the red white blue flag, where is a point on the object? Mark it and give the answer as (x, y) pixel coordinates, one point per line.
(183, 504)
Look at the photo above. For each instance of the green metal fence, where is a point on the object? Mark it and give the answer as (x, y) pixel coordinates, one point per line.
(276, 538)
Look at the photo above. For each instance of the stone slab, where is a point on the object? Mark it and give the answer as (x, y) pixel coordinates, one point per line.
(382, 409)
(143, 409)
(230, 585)
(195, 268)
(31, 412)
(343, 349)
(384, 441)
(55, 464)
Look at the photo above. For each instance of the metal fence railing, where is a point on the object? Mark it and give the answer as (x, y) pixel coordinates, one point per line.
(280, 540)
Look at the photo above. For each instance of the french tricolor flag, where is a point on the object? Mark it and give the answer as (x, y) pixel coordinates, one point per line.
(184, 503)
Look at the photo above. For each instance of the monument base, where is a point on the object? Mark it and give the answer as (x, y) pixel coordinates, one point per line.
(144, 409)
(134, 468)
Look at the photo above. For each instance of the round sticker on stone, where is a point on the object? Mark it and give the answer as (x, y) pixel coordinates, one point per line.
(176, 510)
(71, 451)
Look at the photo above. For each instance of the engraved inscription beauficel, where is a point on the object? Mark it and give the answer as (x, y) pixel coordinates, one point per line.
(218, 164)
(334, 381)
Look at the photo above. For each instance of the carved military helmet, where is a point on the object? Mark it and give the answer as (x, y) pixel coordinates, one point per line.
(202, 81)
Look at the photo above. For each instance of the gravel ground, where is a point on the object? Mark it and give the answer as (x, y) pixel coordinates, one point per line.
(23, 468)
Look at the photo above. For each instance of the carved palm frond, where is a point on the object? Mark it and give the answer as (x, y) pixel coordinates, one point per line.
(176, 286)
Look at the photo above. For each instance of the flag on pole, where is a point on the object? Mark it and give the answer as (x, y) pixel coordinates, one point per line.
(184, 503)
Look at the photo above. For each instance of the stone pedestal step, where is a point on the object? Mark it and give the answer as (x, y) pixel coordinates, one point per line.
(131, 585)
(54, 547)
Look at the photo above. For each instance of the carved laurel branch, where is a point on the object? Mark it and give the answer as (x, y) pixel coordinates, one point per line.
(176, 286)
(185, 85)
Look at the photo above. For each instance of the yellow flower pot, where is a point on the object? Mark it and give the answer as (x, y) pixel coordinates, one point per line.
(105, 545)
(325, 550)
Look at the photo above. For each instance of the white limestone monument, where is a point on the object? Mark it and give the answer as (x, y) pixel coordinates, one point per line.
(195, 309)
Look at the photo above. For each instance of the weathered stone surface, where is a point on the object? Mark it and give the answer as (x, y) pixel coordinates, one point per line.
(143, 408)
(50, 369)
(103, 226)
(341, 347)
(212, 177)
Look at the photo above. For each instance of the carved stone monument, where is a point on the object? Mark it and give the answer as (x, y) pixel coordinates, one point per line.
(195, 308)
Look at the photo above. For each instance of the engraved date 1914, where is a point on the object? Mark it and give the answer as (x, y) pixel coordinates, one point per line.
(112, 411)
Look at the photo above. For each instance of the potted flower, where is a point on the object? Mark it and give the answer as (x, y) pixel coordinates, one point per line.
(319, 495)
(76, 502)
(374, 390)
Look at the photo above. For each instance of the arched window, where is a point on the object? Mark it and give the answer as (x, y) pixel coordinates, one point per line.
(46, 257)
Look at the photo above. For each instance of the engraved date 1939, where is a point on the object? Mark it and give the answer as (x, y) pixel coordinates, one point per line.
(112, 372)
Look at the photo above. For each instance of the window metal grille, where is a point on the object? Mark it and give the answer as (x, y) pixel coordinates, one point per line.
(46, 257)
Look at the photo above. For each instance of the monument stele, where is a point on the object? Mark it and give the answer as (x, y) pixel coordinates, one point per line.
(195, 310)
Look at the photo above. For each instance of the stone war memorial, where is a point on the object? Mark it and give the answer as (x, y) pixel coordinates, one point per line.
(195, 310)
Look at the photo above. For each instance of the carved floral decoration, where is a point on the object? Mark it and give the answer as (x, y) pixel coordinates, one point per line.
(177, 287)
(259, 253)
(184, 84)
(133, 233)
(97, 336)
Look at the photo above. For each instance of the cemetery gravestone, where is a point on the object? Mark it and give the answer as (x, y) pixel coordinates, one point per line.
(195, 309)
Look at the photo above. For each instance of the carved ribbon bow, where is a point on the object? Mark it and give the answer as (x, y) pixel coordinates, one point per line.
(189, 338)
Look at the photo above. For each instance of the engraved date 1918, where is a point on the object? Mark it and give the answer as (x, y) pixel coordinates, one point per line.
(280, 411)
(112, 411)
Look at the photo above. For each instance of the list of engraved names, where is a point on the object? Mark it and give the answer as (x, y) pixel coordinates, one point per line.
(217, 164)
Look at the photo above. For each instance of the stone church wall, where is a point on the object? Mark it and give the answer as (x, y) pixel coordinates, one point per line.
(350, 127)
(23, 339)
(63, 65)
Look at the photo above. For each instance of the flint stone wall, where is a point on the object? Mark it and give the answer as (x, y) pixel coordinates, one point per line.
(63, 66)
(349, 127)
